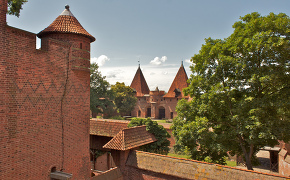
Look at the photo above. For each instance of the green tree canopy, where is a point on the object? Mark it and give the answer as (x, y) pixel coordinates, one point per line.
(240, 88)
(14, 7)
(161, 146)
(101, 97)
(125, 99)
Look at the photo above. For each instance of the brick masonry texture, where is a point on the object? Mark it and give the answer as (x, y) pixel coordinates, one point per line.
(284, 159)
(44, 104)
(154, 166)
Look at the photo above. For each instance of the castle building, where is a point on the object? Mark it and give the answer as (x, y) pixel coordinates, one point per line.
(45, 100)
(158, 104)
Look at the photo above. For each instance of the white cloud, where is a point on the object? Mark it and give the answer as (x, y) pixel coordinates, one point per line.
(114, 74)
(188, 61)
(161, 76)
(158, 61)
(101, 60)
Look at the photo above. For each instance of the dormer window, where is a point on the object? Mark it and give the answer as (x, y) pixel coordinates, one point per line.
(177, 92)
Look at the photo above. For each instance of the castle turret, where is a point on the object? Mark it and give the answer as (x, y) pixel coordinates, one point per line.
(139, 84)
(67, 28)
(179, 82)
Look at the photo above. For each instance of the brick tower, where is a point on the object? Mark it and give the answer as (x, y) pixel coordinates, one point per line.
(44, 102)
(139, 84)
(179, 83)
(67, 28)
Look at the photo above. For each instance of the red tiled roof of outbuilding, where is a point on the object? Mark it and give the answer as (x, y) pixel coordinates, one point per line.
(66, 23)
(109, 128)
(130, 138)
(179, 82)
(139, 84)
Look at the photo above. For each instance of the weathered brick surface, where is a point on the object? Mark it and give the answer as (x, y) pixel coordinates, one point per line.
(147, 166)
(135, 173)
(284, 162)
(44, 104)
(112, 174)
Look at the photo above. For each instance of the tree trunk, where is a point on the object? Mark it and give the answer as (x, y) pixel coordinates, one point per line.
(247, 155)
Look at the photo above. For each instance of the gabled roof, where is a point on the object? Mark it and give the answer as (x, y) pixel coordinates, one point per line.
(179, 82)
(130, 138)
(139, 84)
(109, 128)
(66, 23)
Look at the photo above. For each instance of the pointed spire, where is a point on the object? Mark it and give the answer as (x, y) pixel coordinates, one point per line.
(66, 12)
(66, 23)
(179, 82)
(139, 83)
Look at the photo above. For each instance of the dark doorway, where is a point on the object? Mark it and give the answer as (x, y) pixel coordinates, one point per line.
(139, 113)
(171, 115)
(148, 114)
(161, 113)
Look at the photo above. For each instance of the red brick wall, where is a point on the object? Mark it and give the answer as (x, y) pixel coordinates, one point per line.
(145, 102)
(44, 105)
(284, 167)
(132, 173)
(149, 166)
(102, 162)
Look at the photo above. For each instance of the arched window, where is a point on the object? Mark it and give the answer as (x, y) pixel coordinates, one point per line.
(53, 169)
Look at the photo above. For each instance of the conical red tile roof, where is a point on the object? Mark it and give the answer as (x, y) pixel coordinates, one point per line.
(139, 84)
(66, 23)
(179, 82)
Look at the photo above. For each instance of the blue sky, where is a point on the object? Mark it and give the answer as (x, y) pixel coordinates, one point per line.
(159, 33)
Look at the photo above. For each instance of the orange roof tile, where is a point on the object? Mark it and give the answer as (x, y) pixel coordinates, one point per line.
(66, 23)
(130, 138)
(109, 128)
(139, 84)
(179, 82)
